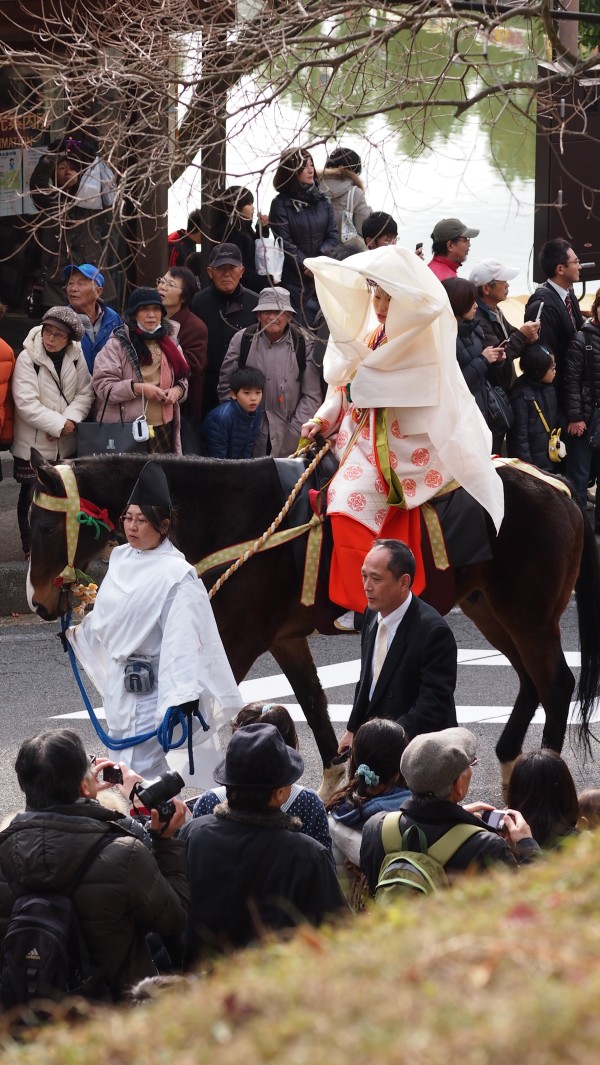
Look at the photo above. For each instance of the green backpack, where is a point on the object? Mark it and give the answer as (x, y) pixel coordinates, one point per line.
(410, 865)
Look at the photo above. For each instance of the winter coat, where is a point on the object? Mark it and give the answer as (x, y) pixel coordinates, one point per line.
(287, 402)
(113, 377)
(470, 342)
(307, 228)
(127, 891)
(343, 187)
(355, 816)
(228, 432)
(436, 817)
(223, 315)
(303, 803)
(44, 402)
(497, 328)
(7, 365)
(252, 871)
(577, 386)
(192, 339)
(179, 247)
(528, 439)
(91, 347)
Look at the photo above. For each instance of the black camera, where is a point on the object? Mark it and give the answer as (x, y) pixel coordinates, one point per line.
(155, 794)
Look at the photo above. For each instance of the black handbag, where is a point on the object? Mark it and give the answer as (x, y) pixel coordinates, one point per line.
(108, 438)
(500, 413)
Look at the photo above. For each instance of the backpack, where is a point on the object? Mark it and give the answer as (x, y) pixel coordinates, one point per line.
(299, 347)
(410, 865)
(44, 955)
(348, 230)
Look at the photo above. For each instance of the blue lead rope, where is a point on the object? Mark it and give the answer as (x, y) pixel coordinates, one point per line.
(174, 716)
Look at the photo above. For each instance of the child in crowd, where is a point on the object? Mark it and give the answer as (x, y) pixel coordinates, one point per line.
(379, 230)
(589, 809)
(303, 803)
(375, 784)
(542, 789)
(230, 430)
(535, 405)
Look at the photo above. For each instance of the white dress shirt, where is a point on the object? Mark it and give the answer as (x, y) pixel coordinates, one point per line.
(391, 623)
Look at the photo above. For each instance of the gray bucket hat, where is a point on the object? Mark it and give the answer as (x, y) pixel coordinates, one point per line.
(274, 299)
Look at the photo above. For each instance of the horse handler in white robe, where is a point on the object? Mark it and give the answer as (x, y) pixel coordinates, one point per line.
(152, 608)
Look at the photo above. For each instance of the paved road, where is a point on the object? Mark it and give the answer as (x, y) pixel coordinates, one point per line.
(36, 685)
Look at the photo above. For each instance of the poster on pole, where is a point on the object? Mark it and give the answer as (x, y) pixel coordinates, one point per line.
(11, 182)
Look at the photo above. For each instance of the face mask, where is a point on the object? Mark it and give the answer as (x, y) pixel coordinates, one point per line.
(149, 332)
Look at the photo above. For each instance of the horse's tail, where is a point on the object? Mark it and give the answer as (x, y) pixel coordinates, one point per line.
(587, 594)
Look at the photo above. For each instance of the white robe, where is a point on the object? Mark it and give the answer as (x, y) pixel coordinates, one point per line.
(416, 372)
(151, 603)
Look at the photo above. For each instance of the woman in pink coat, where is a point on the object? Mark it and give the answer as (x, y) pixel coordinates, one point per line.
(142, 370)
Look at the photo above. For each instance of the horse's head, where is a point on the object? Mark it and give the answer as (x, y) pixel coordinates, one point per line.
(67, 532)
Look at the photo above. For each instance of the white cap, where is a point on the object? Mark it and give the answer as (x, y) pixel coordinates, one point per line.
(491, 270)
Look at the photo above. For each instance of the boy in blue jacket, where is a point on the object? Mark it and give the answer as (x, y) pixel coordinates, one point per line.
(229, 431)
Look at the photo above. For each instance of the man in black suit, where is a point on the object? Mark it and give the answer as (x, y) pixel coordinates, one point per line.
(561, 317)
(408, 653)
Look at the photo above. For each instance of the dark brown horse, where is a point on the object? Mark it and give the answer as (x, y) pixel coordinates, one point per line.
(544, 550)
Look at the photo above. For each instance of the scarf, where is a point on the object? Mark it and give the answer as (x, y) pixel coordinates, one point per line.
(172, 353)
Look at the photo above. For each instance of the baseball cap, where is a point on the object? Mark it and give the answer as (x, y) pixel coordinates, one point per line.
(491, 270)
(225, 255)
(451, 228)
(87, 270)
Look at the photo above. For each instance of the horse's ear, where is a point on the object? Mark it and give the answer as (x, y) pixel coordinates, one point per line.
(45, 472)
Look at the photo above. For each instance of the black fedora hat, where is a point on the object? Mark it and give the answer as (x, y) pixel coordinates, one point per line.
(257, 757)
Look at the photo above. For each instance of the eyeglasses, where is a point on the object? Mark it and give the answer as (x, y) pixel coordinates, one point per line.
(54, 334)
(135, 521)
(573, 262)
(167, 281)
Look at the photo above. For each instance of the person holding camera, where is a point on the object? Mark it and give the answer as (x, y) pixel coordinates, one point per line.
(151, 642)
(438, 767)
(126, 891)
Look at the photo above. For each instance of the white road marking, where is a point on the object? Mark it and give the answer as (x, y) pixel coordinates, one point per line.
(277, 687)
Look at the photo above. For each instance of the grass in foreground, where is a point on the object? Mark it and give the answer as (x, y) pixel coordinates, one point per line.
(502, 969)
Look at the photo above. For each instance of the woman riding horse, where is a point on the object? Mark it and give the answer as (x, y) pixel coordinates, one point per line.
(410, 425)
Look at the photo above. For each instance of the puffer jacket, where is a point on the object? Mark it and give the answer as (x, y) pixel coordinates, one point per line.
(228, 432)
(470, 342)
(127, 891)
(44, 402)
(577, 386)
(7, 365)
(343, 187)
(307, 227)
(436, 817)
(527, 439)
(114, 375)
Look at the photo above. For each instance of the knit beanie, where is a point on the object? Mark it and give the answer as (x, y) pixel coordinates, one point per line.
(143, 297)
(67, 319)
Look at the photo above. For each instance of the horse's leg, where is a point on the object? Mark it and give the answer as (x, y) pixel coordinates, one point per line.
(511, 740)
(294, 657)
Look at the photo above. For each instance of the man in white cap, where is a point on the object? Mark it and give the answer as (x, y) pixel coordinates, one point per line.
(451, 242)
(437, 768)
(491, 281)
(284, 354)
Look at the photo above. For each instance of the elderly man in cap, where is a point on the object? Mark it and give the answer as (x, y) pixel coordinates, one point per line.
(284, 353)
(491, 281)
(451, 243)
(84, 291)
(250, 867)
(224, 306)
(437, 768)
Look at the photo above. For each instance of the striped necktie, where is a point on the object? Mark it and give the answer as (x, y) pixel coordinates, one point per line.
(569, 306)
(380, 650)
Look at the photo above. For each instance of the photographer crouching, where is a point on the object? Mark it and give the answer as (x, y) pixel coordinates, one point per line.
(67, 844)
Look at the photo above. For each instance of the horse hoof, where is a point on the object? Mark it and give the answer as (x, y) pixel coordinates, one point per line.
(506, 769)
(333, 778)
